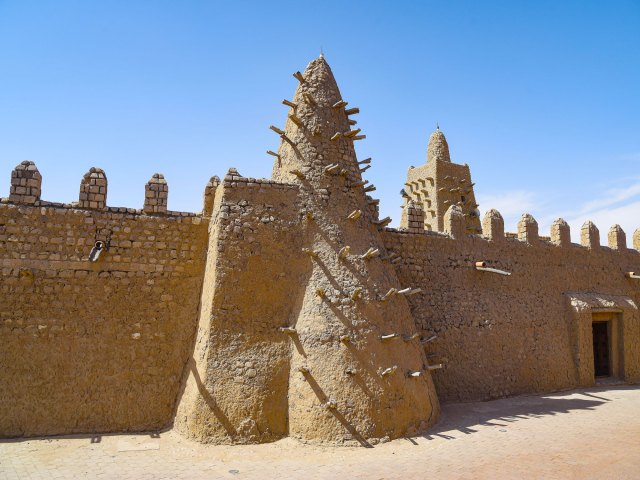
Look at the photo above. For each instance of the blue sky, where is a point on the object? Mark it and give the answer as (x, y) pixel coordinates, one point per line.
(540, 98)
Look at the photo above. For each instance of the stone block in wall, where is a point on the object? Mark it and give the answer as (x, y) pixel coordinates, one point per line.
(93, 190)
(26, 183)
(156, 194)
(493, 225)
(454, 222)
(636, 239)
(590, 235)
(209, 195)
(561, 233)
(528, 229)
(617, 239)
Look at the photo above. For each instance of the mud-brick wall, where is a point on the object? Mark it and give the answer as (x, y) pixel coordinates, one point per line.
(505, 335)
(95, 347)
(237, 386)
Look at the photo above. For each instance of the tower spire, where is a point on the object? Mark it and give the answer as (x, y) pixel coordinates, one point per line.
(316, 130)
(438, 148)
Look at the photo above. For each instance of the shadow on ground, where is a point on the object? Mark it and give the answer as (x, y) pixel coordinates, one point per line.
(457, 418)
(465, 418)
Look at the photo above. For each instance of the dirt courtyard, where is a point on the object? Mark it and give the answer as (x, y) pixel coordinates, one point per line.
(579, 434)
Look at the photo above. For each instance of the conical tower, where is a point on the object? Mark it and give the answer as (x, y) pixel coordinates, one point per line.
(358, 369)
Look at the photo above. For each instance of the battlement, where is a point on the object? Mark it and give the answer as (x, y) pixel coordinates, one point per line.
(26, 188)
(527, 231)
(500, 305)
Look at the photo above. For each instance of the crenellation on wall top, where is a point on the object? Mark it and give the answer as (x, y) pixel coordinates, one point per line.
(616, 238)
(26, 190)
(560, 233)
(493, 225)
(454, 222)
(26, 183)
(156, 195)
(415, 217)
(528, 229)
(590, 235)
(93, 189)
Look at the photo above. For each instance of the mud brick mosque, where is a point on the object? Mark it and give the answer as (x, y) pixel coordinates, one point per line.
(288, 308)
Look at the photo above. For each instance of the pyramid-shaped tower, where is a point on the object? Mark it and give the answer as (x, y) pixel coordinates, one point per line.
(304, 327)
(361, 365)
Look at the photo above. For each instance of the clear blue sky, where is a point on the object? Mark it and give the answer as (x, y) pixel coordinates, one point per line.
(540, 98)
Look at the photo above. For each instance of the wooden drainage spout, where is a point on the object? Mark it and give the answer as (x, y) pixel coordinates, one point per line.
(634, 275)
(481, 266)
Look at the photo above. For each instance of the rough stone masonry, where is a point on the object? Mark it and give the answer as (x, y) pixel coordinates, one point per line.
(287, 307)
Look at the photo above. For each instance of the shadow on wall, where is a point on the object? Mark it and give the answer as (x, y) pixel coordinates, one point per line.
(211, 402)
(500, 413)
(345, 423)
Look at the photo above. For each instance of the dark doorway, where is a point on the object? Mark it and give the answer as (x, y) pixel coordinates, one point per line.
(601, 349)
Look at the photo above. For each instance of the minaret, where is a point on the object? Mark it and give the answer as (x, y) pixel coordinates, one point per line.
(358, 369)
(439, 184)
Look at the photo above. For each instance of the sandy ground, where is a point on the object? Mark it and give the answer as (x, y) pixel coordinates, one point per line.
(580, 434)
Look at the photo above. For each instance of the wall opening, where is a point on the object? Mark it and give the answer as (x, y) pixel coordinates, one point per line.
(601, 349)
(620, 316)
